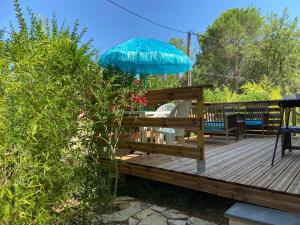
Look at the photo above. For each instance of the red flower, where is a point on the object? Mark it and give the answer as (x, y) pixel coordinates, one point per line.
(139, 99)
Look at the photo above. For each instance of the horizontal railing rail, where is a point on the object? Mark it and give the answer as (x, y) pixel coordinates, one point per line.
(173, 150)
(156, 97)
(161, 122)
(272, 112)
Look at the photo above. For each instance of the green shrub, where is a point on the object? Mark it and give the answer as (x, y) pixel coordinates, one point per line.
(48, 154)
(250, 91)
(162, 81)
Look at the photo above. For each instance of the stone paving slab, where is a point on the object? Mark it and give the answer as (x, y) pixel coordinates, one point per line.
(131, 211)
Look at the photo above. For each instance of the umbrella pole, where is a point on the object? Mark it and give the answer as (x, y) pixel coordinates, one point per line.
(145, 80)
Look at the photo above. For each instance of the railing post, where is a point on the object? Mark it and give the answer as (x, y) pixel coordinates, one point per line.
(200, 134)
(294, 116)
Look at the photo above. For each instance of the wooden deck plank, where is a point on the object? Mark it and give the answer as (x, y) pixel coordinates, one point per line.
(188, 164)
(295, 186)
(213, 157)
(287, 176)
(213, 148)
(231, 159)
(227, 149)
(252, 174)
(259, 171)
(244, 163)
(248, 169)
(152, 160)
(271, 175)
(177, 163)
(224, 161)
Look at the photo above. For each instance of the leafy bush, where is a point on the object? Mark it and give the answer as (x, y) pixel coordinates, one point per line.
(162, 81)
(249, 92)
(49, 154)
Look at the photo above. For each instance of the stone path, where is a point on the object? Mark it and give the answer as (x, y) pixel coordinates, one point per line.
(131, 211)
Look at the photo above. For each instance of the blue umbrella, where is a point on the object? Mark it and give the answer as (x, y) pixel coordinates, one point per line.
(146, 56)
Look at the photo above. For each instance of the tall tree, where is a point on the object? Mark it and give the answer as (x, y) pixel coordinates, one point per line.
(178, 43)
(280, 51)
(225, 46)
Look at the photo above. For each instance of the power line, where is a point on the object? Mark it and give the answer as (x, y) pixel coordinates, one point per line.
(153, 22)
(144, 18)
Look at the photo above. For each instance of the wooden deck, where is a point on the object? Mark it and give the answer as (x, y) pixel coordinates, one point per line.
(240, 171)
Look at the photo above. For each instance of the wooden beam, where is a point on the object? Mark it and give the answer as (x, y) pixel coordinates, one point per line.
(256, 103)
(200, 134)
(173, 150)
(260, 196)
(161, 122)
(170, 94)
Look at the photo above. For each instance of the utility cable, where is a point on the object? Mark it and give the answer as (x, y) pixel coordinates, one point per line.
(155, 23)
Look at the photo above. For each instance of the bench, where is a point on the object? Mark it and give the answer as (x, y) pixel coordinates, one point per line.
(246, 214)
(217, 120)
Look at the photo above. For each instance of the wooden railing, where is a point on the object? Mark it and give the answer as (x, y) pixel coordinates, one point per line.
(271, 109)
(158, 97)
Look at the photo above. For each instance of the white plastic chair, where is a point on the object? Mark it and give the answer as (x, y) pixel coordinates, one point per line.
(181, 110)
(162, 111)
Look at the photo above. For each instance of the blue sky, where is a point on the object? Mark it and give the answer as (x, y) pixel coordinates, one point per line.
(108, 25)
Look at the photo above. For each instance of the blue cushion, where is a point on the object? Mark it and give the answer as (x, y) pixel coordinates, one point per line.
(212, 126)
(254, 122)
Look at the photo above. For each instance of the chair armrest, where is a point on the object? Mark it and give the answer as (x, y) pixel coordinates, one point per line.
(158, 114)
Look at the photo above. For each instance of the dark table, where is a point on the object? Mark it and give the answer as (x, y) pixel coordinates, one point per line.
(286, 130)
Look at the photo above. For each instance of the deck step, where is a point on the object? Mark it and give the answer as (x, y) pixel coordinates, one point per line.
(246, 214)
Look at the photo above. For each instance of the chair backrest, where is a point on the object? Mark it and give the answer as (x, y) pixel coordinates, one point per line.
(166, 107)
(181, 110)
(255, 112)
(164, 110)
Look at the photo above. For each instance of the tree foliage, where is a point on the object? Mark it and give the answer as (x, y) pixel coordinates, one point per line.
(279, 52)
(226, 44)
(242, 46)
(250, 91)
(178, 43)
(162, 81)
